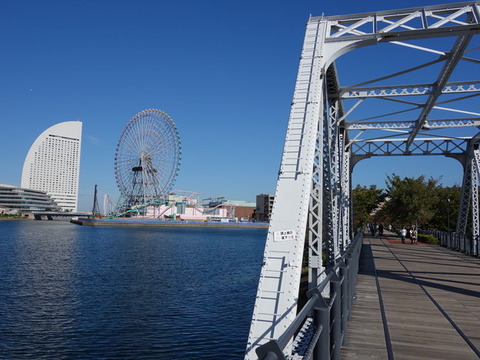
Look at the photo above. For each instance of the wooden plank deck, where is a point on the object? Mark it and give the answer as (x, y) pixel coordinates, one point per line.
(414, 302)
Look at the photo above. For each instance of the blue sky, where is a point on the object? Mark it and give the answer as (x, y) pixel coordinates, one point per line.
(223, 70)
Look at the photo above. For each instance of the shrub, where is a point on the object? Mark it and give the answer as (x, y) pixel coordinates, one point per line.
(428, 239)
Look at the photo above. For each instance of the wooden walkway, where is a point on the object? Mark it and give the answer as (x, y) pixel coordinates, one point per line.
(414, 302)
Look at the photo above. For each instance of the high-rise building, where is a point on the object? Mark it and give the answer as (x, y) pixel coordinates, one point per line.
(52, 164)
(264, 207)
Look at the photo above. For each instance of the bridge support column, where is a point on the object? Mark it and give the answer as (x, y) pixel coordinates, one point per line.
(344, 301)
(469, 197)
(336, 321)
(321, 320)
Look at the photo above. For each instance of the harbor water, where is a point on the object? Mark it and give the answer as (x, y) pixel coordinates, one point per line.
(74, 292)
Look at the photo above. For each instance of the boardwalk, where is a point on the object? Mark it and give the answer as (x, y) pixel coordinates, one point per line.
(414, 302)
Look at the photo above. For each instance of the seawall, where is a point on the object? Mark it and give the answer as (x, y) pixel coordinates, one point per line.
(162, 223)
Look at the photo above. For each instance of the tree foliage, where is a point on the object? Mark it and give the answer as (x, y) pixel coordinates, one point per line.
(411, 201)
(408, 201)
(365, 201)
(446, 209)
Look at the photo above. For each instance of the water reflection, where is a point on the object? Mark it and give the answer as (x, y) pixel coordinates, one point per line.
(81, 292)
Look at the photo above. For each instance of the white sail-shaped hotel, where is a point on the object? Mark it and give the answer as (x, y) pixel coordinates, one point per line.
(52, 164)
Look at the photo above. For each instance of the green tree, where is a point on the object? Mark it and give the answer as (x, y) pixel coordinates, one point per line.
(411, 201)
(448, 203)
(365, 200)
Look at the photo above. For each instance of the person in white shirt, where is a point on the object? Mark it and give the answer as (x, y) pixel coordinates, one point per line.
(413, 235)
(403, 234)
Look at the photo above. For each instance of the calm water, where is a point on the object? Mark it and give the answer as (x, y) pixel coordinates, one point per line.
(68, 291)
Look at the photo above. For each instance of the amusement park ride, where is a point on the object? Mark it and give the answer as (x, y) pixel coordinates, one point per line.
(147, 160)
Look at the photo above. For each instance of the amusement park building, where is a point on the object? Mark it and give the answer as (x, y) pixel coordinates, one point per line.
(185, 210)
(241, 209)
(52, 164)
(21, 200)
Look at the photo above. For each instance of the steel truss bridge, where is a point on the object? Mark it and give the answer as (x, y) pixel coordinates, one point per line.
(332, 127)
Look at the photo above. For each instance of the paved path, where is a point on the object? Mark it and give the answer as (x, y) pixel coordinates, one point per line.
(414, 302)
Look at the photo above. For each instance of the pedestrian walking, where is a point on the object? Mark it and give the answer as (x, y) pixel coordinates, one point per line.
(403, 234)
(413, 235)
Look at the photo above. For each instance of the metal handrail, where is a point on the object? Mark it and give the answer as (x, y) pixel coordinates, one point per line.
(468, 244)
(319, 306)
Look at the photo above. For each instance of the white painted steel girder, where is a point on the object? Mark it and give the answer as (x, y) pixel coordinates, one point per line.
(475, 203)
(336, 184)
(277, 294)
(465, 198)
(466, 87)
(460, 20)
(313, 187)
(469, 193)
(454, 57)
(474, 191)
(300, 185)
(425, 146)
(405, 24)
(346, 198)
(398, 125)
(469, 198)
(315, 218)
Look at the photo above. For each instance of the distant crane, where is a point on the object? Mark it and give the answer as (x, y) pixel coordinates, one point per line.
(95, 208)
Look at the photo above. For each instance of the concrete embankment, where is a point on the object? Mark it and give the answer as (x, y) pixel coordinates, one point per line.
(162, 223)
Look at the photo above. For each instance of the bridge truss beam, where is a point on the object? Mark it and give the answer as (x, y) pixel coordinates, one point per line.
(330, 129)
(426, 146)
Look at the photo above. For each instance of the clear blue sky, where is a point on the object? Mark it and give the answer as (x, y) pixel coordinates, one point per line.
(223, 70)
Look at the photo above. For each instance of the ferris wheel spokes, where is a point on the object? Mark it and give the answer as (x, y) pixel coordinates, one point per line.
(147, 158)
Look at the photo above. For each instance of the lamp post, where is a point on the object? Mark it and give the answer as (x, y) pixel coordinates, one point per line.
(448, 214)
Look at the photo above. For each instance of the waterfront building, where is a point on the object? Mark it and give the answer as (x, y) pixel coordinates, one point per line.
(264, 205)
(20, 200)
(186, 209)
(181, 211)
(186, 205)
(187, 197)
(241, 209)
(52, 164)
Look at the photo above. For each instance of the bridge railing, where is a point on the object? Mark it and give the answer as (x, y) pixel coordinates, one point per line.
(468, 244)
(320, 328)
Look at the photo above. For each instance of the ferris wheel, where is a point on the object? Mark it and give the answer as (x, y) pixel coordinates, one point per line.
(147, 158)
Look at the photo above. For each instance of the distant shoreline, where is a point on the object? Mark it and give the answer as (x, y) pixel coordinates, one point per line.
(162, 223)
